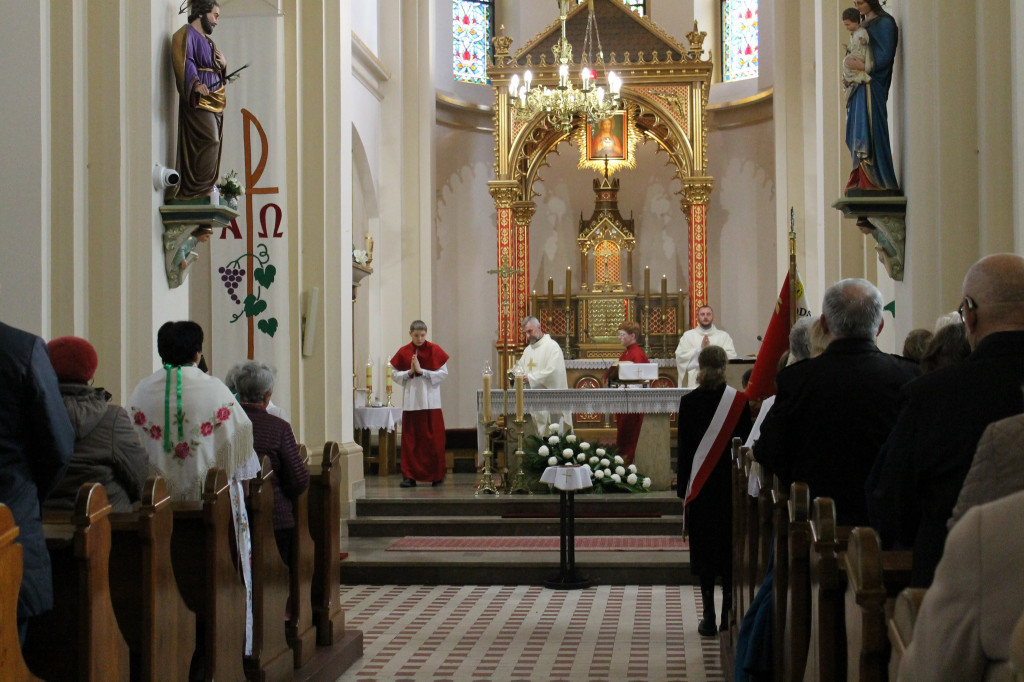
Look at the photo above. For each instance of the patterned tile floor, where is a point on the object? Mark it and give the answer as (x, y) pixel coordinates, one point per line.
(529, 633)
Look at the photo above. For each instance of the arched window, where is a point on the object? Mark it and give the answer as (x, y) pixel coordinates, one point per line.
(472, 31)
(739, 39)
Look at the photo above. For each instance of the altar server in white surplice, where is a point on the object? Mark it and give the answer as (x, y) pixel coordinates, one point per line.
(694, 340)
(543, 365)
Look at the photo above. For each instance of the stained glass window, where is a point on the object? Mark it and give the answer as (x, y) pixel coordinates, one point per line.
(739, 39)
(472, 30)
(638, 6)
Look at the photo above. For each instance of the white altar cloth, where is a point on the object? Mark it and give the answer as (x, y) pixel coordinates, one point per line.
(567, 477)
(377, 418)
(590, 400)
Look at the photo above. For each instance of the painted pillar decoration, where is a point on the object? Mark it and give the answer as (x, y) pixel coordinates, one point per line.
(504, 194)
(695, 206)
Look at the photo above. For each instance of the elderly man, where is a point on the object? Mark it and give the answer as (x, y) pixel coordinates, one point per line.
(544, 367)
(946, 411)
(833, 412)
(694, 340)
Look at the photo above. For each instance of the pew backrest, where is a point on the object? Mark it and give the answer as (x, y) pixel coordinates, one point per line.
(827, 649)
(12, 664)
(300, 630)
(325, 527)
(798, 595)
(866, 632)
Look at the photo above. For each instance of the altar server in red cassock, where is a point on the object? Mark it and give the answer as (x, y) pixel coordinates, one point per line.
(420, 367)
(628, 425)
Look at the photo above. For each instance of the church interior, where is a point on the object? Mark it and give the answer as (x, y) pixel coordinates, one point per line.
(353, 138)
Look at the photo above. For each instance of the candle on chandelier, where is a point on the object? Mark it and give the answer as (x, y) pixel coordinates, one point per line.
(519, 396)
(487, 396)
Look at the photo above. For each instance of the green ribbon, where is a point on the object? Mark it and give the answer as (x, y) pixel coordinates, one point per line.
(167, 408)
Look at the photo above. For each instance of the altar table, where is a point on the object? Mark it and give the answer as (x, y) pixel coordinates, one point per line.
(653, 451)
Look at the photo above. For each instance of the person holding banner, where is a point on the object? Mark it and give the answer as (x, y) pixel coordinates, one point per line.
(709, 418)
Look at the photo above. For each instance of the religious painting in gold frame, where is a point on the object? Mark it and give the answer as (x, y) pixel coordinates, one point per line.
(613, 138)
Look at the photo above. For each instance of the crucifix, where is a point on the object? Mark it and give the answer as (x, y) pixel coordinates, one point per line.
(505, 273)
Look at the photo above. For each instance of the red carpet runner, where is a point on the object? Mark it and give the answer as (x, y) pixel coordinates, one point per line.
(643, 543)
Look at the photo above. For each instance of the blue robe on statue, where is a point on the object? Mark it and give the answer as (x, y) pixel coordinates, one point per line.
(867, 118)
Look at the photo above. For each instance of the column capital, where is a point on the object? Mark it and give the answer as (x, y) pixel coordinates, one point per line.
(696, 191)
(522, 211)
(504, 192)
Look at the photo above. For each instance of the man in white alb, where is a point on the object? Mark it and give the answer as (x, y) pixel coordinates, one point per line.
(691, 342)
(544, 366)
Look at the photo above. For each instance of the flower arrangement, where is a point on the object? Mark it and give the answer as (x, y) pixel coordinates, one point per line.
(230, 186)
(360, 257)
(608, 471)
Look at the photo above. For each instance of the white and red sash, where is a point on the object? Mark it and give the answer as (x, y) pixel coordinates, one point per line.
(719, 431)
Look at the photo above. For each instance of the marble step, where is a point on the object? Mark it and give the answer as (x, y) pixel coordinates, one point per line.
(396, 526)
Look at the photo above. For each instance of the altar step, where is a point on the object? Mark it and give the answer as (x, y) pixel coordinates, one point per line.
(389, 513)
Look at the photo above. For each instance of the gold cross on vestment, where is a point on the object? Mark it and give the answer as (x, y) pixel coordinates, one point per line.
(530, 365)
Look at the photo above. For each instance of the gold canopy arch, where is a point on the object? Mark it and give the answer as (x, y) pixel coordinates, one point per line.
(665, 92)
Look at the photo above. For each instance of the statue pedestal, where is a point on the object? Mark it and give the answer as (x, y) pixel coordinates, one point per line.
(884, 218)
(180, 220)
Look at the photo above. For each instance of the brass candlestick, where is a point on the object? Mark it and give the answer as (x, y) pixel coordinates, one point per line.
(387, 392)
(486, 482)
(519, 479)
(647, 328)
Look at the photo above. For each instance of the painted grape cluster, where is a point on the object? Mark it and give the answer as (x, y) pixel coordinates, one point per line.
(231, 277)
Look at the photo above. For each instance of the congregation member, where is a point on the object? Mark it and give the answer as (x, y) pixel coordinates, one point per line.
(997, 469)
(189, 422)
(694, 340)
(543, 364)
(709, 418)
(946, 411)
(628, 426)
(832, 413)
(916, 343)
(948, 346)
(273, 438)
(36, 444)
(419, 367)
(963, 627)
(107, 447)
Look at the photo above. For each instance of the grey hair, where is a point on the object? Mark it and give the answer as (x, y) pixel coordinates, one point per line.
(252, 381)
(853, 309)
(527, 320)
(800, 340)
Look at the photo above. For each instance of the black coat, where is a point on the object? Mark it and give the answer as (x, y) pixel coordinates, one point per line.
(709, 515)
(36, 442)
(933, 444)
(831, 416)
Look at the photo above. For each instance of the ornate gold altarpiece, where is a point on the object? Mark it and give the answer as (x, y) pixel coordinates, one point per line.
(665, 92)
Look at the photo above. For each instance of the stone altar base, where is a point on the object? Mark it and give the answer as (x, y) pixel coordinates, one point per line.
(653, 451)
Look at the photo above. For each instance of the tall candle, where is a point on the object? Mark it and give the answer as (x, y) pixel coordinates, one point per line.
(487, 397)
(533, 305)
(551, 293)
(568, 287)
(369, 376)
(664, 293)
(647, 286)
(387, 377)
(679, 312)
(519, 397)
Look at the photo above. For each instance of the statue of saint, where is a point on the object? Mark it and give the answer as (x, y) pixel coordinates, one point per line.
(867, 115)
(199, 72)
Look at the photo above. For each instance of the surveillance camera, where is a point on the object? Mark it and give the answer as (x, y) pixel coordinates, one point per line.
(164, 177)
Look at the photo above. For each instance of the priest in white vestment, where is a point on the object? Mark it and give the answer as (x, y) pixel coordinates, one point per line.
(693, 341)
(543, 365)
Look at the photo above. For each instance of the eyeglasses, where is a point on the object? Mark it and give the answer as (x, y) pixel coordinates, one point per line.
(967, 303)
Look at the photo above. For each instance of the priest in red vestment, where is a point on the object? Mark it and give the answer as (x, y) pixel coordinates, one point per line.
(419, 368)
(628, 425)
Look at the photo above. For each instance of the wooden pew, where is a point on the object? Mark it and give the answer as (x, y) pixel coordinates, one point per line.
(827, 650)
(159, 629)
(765, 521)
(203, 558)
(901, 625)
(798, 594)
(272, 658)
(740, 562)
(780, 591)
(300, 632)
(79, 639)
(325, 526)
(12, 664)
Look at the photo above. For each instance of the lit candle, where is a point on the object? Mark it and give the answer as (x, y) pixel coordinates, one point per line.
(551, 293)
(487, 396)
(369, 376)
(679, 312)
(664, 293)
(647, 286)
(387, 377)
(568, 287)
(533, 305)
(519, 397)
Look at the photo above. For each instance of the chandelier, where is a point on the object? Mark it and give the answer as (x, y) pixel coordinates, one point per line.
(562, 104)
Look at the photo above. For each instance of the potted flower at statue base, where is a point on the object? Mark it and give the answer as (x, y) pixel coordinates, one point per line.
(230, 189)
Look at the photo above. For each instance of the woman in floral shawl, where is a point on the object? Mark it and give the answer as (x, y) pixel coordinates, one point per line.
(190, 422)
